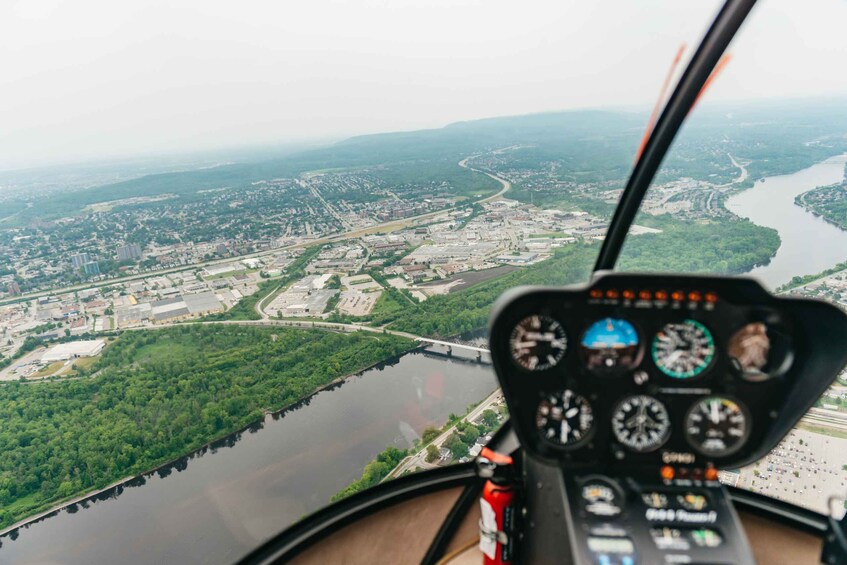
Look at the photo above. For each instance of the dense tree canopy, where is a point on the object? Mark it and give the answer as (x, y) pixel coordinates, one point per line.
(156, 395)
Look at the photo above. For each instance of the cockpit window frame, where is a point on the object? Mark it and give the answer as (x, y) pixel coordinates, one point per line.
(727, 23)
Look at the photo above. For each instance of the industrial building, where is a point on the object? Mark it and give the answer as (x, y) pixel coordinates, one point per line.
(73, 349)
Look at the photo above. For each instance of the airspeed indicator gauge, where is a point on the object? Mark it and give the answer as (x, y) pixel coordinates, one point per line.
(538, 343)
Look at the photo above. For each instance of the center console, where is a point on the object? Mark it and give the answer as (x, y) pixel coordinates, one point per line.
(629, 394)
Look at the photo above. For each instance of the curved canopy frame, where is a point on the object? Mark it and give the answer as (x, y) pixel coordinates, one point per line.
(711, 49)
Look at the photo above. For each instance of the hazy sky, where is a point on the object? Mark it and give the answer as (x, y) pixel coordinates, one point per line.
(99, 78)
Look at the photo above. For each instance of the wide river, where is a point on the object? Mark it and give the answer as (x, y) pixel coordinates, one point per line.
(809, 243)
(216, 506)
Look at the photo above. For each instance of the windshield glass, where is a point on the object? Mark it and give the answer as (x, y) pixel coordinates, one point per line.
(231, 292)
(757, 173)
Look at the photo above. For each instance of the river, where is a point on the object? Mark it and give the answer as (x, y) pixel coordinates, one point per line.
(217, 505)
(809, 243)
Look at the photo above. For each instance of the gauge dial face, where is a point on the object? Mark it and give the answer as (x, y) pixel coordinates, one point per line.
(693, 501)
(641, 423)
(749, 347)
(564, 418)
(716, 426)
(610, 344)
(600, 498)
(683, 349)
(655, 499)
(538, 343)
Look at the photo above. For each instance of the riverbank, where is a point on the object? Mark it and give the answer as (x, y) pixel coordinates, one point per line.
(809, 244)
(237, 494)
(154, 406)
(168, 466)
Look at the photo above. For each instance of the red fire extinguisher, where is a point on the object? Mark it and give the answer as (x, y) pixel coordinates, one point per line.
(499, 507)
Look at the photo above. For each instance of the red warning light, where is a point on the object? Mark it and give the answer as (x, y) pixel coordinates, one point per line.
(596, 293)
(629, 294)
(612, 293)
(677, 295)
(694, 296)
(661, 295)
(667, 472)
(644, 295)
(711, 474)
(711, 297)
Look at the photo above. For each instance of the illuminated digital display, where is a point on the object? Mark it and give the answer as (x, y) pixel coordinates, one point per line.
(599, 544)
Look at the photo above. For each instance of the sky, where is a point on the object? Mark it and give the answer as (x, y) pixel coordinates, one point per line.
(92, 79)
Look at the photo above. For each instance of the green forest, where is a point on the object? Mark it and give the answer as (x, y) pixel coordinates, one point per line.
(154, 396)
(718, 246)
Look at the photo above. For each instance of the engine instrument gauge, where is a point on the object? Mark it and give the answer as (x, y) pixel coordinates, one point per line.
(610, 344)
(693, 501)
(717, 426)
(683, 349)
(564, 418)
(655, 499)
(601, 498)
(641, 423)
(538, 343)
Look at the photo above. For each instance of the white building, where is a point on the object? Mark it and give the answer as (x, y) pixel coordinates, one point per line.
(73, 349)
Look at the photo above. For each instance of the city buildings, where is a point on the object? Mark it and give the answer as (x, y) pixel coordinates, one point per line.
(129, 252)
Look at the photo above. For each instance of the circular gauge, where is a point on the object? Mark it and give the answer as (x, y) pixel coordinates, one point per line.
(693, 501)
(749, 349)
(716, 426)
(641, 423)
(564, 418)
(601, 498)
(655, 499)
(706, 537)
(538, 343)
(683, 350)
(610, 344)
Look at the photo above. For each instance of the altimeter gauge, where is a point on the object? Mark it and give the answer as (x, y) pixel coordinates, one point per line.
(641, 423)
(717, 426)
(538, 343)
(683, 349)
(564, 418)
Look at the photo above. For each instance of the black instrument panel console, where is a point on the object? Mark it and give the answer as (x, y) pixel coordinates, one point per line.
(636, 371)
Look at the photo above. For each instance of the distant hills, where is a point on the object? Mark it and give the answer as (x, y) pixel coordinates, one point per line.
(586, 145)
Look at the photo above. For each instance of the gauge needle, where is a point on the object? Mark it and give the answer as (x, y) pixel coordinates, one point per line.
(673, 357)
(572, 412)
(714, 415)
(566, 429)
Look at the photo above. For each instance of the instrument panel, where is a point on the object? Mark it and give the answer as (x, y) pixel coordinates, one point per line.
(650, 370)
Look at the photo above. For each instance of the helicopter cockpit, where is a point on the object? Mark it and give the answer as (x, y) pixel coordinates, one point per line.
(630, 393)
(628, 397)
